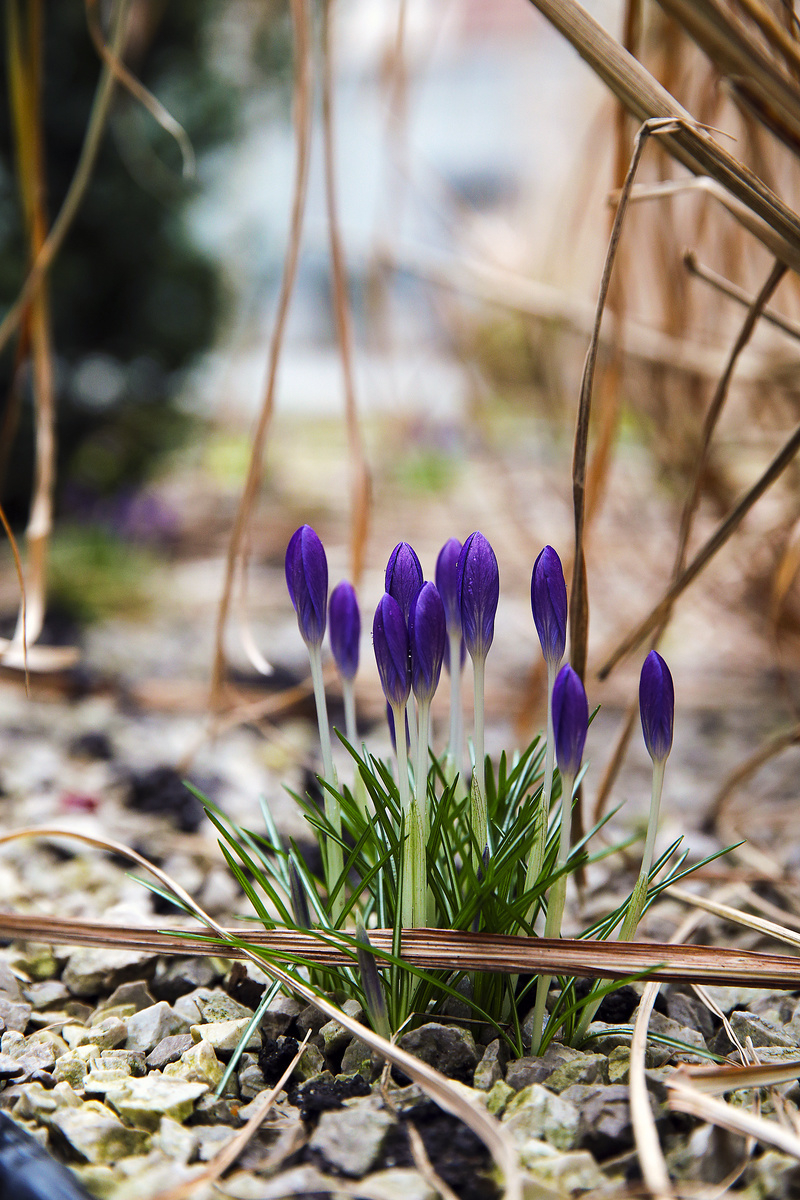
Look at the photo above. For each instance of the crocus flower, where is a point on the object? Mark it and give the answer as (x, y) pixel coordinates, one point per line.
(345, 628)
(657, 706)
(549, 604)
(403, 576)
(570, 720)
(307, 581)
(390, 641)
(478, 593)
(447, 582)
(427, 632)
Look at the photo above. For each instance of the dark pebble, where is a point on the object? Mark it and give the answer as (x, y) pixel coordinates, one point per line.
(161, 790)
(318, 1096)
(95, 746)
(169, 1050)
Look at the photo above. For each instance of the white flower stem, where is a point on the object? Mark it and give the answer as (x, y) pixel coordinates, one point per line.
(334, 859)
(555, 906)
(421, 769)
(536, 860)
(349, 698)
(479, 817)
(412, 728)
(634, 913)
(407, 897)
(456, 715)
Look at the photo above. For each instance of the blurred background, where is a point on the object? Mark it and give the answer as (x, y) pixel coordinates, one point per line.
(473, 156)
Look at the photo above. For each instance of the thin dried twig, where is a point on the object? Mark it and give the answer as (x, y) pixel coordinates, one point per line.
(485, 1126)
(230, 1152)
(750, 921)
(686, 1099)
(739, 294)
(158, 112)
(303, 113)
(360, 478)
(704, 555)
(747, 769)
(78, 185)
(648, 1148)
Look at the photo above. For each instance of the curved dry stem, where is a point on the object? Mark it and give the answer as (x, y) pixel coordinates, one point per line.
(157, 111)
(360, 491)
(648, 1148)
(77, 188)
(435, 1085)
(303, 112)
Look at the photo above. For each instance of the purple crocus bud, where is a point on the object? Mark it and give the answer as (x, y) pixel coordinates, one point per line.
(345, 628)
(549, 604)
(447, 583)
(427, 633)
(390, 640)
(570, 720)
(403, 576)
(478, 592)
(657, 706)
(307, 580)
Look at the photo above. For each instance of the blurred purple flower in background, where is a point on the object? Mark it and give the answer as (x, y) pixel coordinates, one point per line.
(345, 628)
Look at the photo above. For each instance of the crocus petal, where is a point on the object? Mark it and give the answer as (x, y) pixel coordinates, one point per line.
(549, 605)
(427, 634)
(345, 628)
(657, 706)
(447, 583)
(403, 576)
(390, 641)
(478, 593)
(570, 720)
(307, 581)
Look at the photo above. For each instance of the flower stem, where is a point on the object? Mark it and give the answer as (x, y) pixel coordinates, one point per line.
(639, 896)
(349, 698)
(407, 898)
(456, 715)
(555, 906)
(421, 769)
(536, 860)
(479, 815)
(334, 859)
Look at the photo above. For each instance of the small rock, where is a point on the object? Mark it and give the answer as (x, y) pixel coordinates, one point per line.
(15, 1014)
(175, 1141)
(225, 1036)
(311, 1064)
(490, 1069)
(310, 1019)
(149, 1026)
(107, 1034)
(169, 1050)
(91, 970)
(212, 1111)
(34, 958)
(251, 1077)
(761, 1031)
(570, 1172)
(31, 1056)
(72, 1068)
(210, 1140)
(101, 1080)
(143, 1102)
(334, 1036)
(279, 1015)
(585, 1068)
(449, 1049)
(361, 1059)
(399, 1183)
(772, 1175)
(497, 1099)
(135, 995)
(10, 1066)
(605, 1118)
(351, 1139)
(536, 1113)
(522, 1072)
(131, 1060)
(197, 1065)
(177, 977)
(689, 1012)
(45, 994)
(96, 1135)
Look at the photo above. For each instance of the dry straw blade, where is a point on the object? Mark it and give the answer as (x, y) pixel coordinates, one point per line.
(686, 1099)
(716, 1081)
(438, 949)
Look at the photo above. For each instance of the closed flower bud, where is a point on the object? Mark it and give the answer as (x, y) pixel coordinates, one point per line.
(427, 634)
(447, 583)
(345, 628)
(307, 580)
(657, 706)
(403, 576)
(478, 593)
(549, 604)
(570, 720)
(390, 641)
